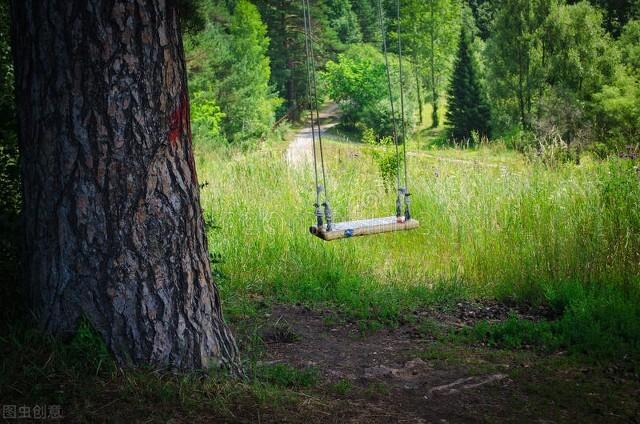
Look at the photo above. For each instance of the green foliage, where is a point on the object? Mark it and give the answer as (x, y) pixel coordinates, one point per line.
(515, 58)
(358, 82)
(618, 110)
(579, 54)
(563, 120)
(515, 333)
(385, 157)
(229, 75)
(598, 322)
(555, 69)
(468, 109)
(10, 206)
(7, 106)
(388, 164)
(369, 136)
(190, 14)
(87, 351)
(367, 12)
(552, 153)
(483, 11)
(206, 116)
(619, 187)
(285, 29)
(248, 101)
(11, 291)
(430, 35)
(617, 13)
(344, 21)
(342, 387)
(629, 45)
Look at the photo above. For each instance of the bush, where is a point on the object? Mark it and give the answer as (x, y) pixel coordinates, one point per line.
(618, 111)
(206, 116)
(358, 82)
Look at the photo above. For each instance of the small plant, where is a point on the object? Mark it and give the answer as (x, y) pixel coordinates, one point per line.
(369, 136)
(280, 332)
(376, 390)
(342, 387)
(430, 328)
(515, 333)
(369, 326)
(87, 351)
(551, 152)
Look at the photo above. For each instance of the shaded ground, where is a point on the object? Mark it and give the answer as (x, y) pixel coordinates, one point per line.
(315, 366)
(409, 374)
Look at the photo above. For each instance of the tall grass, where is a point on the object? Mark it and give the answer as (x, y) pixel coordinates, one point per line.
(486, 231)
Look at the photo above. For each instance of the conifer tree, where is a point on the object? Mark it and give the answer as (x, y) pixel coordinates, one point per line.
(468, 109)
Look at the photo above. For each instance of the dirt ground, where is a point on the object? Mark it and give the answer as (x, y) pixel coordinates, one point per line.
(409, 374)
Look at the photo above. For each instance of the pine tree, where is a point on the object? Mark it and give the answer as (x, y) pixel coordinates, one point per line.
(468, 109)
(367, 12)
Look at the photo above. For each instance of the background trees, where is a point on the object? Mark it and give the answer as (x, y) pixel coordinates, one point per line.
(515, 54)
(358, 82)
(431, 33)
(468, 110)
(230, 74)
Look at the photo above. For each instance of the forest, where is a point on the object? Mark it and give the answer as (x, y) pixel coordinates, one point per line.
(162, 163)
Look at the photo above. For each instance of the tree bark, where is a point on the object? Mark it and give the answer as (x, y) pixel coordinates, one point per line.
(417, 72)
(435, 121)
(114, 228)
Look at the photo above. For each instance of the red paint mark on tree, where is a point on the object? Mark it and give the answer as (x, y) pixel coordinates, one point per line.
(179, 126)
(179, 121)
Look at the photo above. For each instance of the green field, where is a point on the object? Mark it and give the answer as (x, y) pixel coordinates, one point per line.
(493, 225)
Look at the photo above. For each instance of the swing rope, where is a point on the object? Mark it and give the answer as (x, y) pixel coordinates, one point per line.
(403, 192)
(391, 102)
(314, 104)
(312, 94)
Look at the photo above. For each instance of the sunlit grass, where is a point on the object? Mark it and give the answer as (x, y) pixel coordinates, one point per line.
(512, 231)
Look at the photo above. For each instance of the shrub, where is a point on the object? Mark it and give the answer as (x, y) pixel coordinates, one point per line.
(358, 82)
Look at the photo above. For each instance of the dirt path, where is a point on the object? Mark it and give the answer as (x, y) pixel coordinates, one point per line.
(412, 374)
(300, 150)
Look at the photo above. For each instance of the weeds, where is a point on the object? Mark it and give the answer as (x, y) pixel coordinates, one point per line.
(597, 322)
(526, 234)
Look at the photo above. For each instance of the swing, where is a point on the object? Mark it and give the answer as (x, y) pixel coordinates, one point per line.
(325, 228)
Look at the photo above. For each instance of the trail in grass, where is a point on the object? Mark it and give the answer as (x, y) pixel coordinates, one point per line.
(300, 150)
(474, 162)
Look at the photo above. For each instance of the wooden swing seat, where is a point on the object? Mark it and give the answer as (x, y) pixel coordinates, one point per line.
(363, 227)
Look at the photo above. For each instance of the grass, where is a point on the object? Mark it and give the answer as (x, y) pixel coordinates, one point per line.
(598, 323)
(568, 235)
(80, 375)
(493, 226)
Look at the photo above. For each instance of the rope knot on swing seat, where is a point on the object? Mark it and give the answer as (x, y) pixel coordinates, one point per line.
(363, 227)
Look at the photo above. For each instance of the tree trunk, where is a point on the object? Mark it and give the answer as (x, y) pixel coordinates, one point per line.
(435, 121)
(417, 71)
(114, 228)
